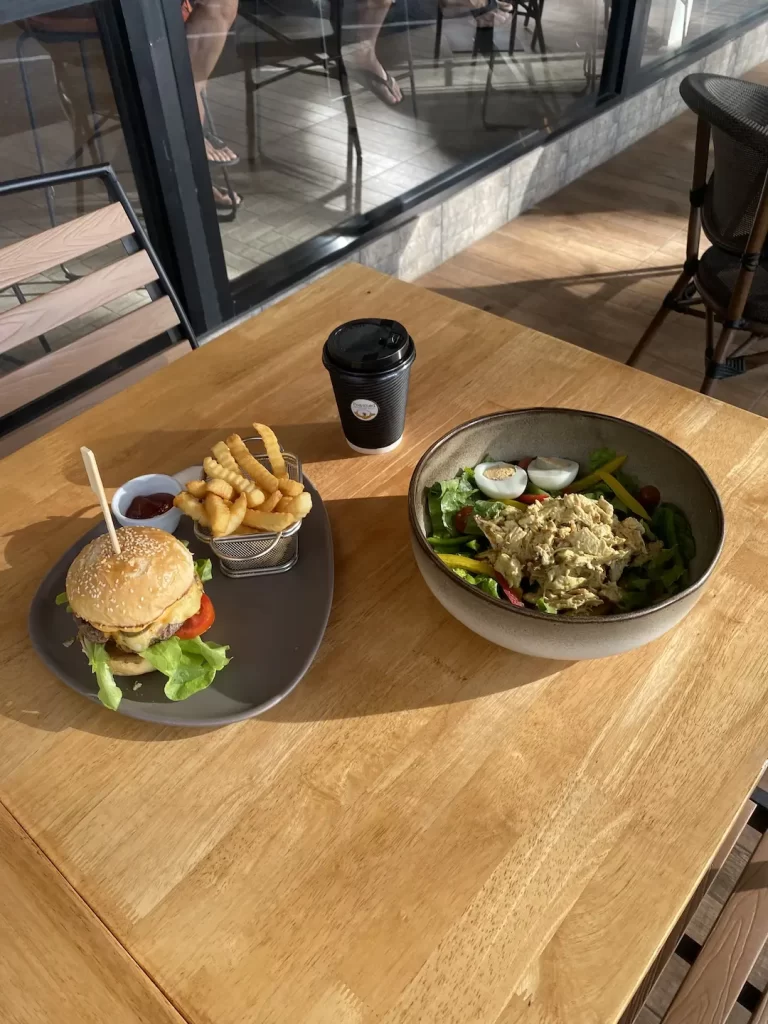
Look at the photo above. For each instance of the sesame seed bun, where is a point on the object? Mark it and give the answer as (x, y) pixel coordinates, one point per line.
(124, 663)
(130, 590)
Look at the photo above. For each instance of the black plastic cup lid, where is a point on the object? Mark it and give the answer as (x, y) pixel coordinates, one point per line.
(368, 346)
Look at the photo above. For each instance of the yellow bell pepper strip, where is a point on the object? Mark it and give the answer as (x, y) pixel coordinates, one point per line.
(623, 494)
(514, 504)
(465, 562)
(594, 478)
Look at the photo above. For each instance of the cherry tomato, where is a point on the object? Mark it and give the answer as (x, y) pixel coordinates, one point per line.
(462, 518)
(199, 623)
(649, 496)
(525, 463)
(529, 499)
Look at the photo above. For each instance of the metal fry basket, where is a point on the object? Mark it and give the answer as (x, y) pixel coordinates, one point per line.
(258, 554)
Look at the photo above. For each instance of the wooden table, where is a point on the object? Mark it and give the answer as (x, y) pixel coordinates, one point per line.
(57, 960)
(429, 829)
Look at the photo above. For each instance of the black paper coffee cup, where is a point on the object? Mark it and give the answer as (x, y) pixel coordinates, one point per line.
(369, 362)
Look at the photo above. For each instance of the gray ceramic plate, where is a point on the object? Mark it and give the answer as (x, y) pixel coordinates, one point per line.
(273, 625)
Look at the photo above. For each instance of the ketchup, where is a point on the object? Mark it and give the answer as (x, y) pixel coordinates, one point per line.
(147, 506)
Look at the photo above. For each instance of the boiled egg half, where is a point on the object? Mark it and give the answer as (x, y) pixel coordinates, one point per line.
(499, 480)
(552, 474)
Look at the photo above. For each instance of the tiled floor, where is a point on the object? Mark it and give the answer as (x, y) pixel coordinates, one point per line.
(592, 263)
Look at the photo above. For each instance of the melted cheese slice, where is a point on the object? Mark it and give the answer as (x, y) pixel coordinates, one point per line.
(179, 611)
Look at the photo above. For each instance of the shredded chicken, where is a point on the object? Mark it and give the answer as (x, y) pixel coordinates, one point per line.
(573, 547)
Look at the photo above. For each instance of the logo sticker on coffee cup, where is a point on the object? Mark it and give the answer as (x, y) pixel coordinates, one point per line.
(364, 409)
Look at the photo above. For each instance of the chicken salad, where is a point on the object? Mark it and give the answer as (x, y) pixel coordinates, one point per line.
(544, 533)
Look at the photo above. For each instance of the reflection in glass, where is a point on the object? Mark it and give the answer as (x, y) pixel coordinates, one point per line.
(674, 25)
(324, 108)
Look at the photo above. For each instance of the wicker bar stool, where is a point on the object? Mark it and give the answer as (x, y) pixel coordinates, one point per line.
(728, 284)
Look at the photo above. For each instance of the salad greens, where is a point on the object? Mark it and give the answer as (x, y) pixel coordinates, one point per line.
(110, 693)
(189, 664)
(204, 569)
(487, 584)
(458, 540)
(447, 497)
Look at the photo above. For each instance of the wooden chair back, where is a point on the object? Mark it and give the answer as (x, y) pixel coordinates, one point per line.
(31, 319)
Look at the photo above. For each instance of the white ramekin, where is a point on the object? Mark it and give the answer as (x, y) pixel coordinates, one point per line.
(151, 483)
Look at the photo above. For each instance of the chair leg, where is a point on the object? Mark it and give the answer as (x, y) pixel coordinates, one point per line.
(353, 135)
(349, 108)
(411, 73)
(94, 142)
(489, 76)
(538, 32)
(513, 29)
(663, 312)
(438, 34)
(33, 122)
(250, 113)
(710, 349)
(723, 344)
(79, 135)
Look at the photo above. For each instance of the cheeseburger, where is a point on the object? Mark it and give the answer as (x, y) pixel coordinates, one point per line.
(127, 605)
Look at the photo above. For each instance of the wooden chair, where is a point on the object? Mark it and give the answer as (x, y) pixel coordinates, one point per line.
(730, 205)
(720, 969)
(719, 976)
(32, 388)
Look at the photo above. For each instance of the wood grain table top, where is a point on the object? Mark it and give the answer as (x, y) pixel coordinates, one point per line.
(429, 829)
(57, 960)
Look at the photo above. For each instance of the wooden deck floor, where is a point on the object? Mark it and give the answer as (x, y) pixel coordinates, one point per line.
(592, 263)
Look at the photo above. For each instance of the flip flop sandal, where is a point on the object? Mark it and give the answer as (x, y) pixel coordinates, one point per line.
(223, 202)
(380, 87)
(219, 144)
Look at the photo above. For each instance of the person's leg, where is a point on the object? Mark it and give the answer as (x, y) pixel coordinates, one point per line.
(207, 29)
(370, 15)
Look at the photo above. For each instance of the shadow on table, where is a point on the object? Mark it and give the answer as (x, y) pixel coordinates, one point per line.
(406, 652)
(168, 451)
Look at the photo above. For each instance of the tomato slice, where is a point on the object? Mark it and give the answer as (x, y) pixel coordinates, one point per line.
(530, 499)
(199, 623)
(462, 517)
(513, 594)
(525, 463)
